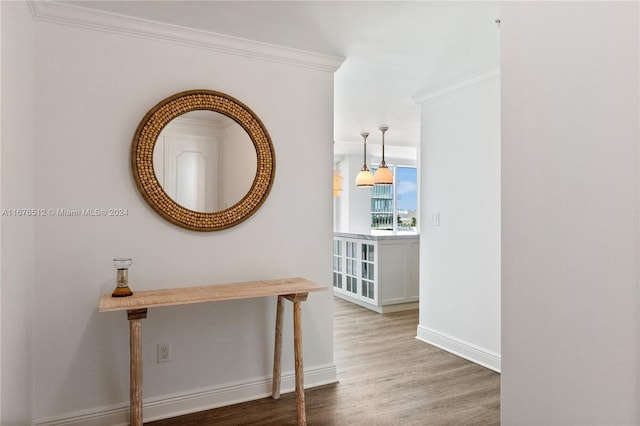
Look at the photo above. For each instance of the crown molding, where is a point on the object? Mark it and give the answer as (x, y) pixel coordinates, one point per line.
(427, 97)
(82, 17)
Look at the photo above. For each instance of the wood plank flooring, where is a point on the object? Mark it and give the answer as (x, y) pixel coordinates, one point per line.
(387, 378)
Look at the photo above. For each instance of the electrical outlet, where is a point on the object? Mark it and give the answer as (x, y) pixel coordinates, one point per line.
(164, 352)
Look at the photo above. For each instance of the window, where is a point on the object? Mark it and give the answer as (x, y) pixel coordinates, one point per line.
(395, 206)
(382, 207)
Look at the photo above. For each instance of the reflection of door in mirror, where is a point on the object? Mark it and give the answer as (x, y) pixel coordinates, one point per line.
(204, 161)
(191, 177)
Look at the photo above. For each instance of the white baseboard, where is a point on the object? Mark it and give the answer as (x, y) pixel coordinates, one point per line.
(191, 402)
(460, 348)
(384, 309)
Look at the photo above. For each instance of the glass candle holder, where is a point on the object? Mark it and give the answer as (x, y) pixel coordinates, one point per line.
(122, 277)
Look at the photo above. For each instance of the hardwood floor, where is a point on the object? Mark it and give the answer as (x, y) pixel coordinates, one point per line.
(387, 378)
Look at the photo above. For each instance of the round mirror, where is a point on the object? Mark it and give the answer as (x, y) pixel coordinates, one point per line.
(203, 160)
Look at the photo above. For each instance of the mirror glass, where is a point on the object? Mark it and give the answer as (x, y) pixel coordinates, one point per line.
(205, 161)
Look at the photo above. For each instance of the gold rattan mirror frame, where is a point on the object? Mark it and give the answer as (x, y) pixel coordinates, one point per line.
(147, 182)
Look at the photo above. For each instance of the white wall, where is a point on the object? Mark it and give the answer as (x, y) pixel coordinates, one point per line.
(570, 213)
(353, 206)
(93, 87)
(460, 182)
(17, 248)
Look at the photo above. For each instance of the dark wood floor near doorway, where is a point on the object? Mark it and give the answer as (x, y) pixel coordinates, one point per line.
(387, 378)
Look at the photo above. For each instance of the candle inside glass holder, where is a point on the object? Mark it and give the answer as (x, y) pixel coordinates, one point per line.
(122, 278)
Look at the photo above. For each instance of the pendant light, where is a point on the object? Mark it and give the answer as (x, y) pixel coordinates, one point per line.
(364, 179)
(383, 175)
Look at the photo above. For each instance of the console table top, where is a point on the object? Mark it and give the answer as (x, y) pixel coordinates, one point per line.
(207, 293)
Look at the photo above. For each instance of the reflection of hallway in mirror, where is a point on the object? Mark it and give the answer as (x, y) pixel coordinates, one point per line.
(191, 177)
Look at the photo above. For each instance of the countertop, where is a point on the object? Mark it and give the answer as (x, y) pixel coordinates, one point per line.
(379, 235)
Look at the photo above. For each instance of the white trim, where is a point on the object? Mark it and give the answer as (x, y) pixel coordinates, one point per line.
(177, 404)
(82, 17)
(399, 307)
(1, 375)
(423, 98)
(460, 348)
(384, 309)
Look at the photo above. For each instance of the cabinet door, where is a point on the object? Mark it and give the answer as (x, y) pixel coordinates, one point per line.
(368, 273)
(351, 272)
(338, 268)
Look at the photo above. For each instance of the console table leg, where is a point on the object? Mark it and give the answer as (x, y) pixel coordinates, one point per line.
(297, 345)
(135, 318)
(277, 351)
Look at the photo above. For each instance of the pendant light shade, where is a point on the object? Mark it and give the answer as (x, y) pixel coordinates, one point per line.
(383, 175)
(364, 179)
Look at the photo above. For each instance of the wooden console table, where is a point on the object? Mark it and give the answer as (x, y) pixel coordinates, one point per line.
(292, 289)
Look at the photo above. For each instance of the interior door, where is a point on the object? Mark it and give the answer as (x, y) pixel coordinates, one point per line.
(191, 172)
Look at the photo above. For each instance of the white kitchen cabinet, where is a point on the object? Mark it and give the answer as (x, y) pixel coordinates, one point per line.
(377, 271)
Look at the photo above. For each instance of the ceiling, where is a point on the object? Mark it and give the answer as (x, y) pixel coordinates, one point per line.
(393, 49)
